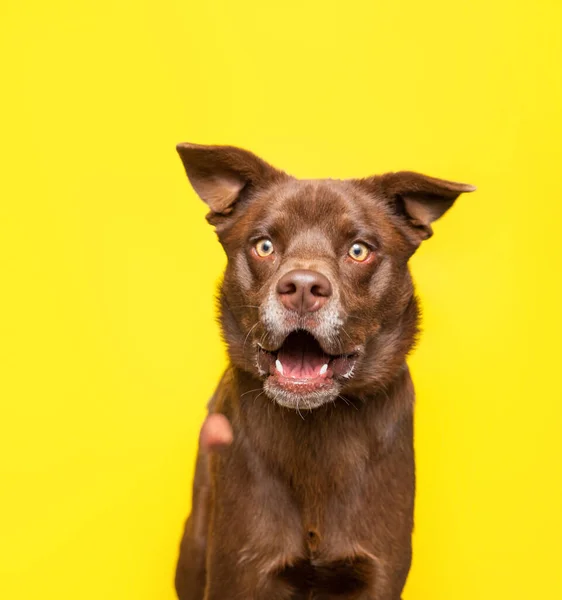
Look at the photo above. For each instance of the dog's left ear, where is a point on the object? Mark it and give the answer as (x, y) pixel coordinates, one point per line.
(219, 174)
(420, 199)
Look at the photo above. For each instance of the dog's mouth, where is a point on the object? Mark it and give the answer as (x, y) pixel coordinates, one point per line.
(301, 364)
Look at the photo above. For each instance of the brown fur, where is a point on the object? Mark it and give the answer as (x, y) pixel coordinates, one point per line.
(310, 503)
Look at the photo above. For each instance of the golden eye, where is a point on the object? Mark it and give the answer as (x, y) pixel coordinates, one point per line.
(264, 247)
(359, 252)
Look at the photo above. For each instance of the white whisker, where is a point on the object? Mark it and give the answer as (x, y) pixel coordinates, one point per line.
(250, 391)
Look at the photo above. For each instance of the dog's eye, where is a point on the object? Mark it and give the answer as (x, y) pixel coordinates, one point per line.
(359, 252)
(264, 247)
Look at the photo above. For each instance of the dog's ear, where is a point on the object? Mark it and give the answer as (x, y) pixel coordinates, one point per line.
(419, 199)
(219, 174)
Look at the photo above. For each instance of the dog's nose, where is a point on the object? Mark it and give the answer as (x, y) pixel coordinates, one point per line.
(303, 291)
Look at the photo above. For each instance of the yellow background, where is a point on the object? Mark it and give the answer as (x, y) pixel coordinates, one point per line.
(109, 350)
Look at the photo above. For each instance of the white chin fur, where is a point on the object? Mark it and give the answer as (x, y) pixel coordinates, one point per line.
(296, 401)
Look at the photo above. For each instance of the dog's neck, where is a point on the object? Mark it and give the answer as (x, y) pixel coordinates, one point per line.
(329, 438)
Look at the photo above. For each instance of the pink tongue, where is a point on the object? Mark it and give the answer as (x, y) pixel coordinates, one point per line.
(303, 361)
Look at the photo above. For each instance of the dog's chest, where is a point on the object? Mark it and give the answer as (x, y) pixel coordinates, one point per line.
(308, 546)
(303, 491)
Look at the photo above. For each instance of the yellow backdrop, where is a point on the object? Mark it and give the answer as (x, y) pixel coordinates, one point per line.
(109, 349)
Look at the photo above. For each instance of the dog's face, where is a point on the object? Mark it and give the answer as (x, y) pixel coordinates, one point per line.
(317, 300)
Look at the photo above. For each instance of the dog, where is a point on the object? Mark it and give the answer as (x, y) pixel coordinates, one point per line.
(314, 498)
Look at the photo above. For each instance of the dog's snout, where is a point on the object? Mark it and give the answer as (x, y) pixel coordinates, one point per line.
(304, 291)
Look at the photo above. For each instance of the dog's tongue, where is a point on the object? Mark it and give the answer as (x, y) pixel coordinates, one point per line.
(301, 357)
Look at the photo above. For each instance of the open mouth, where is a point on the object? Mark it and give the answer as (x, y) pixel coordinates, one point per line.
(302, 366)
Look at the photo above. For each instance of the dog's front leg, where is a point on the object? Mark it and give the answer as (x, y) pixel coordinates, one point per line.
(229, 580)
(225, 580)
(238, 568)
(374, 595)
(386, 588)
(190, 571)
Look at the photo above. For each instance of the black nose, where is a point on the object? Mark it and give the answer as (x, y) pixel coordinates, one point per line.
(303, 291)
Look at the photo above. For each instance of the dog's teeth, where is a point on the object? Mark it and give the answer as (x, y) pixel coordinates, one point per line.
(279, 366)
(323, 369)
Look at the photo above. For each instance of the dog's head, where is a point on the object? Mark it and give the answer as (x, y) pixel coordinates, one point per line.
(317, 300)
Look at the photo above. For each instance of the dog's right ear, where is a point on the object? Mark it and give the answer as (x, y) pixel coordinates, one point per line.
(219, 174)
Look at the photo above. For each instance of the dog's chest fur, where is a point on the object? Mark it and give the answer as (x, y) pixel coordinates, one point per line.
(311, 478)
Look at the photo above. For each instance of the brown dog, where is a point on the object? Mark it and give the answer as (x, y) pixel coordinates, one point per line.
(314, 497)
